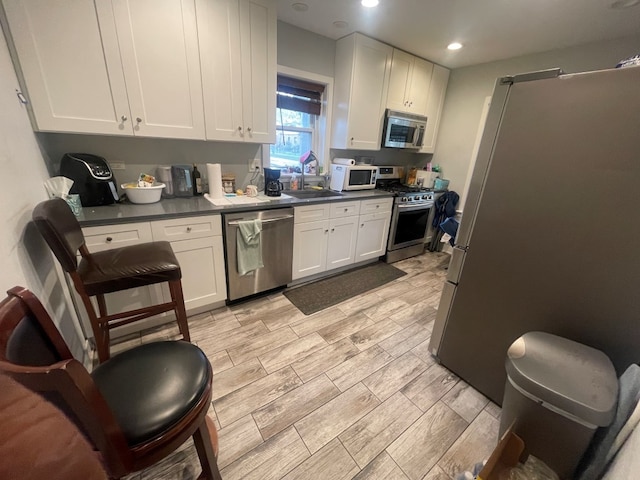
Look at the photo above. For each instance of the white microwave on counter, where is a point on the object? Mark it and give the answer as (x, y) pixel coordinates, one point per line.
(353, 177)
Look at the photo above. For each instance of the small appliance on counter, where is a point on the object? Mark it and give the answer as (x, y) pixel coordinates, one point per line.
(164, 176)
(92, 178)
(272, 185)
(352, 177)
(182, 185)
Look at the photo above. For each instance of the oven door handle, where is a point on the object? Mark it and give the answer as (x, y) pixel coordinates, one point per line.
(423, 206)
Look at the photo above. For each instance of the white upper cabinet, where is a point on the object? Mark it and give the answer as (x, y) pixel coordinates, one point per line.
(238, 52)
(435, 103)
(118, 67)
(159, 48)
(73, 84)
(409, 83)
(362, 71)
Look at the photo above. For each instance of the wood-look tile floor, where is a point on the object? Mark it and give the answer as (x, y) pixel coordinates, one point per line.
(349, 392)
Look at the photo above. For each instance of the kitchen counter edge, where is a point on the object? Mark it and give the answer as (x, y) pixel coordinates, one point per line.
(195, 206)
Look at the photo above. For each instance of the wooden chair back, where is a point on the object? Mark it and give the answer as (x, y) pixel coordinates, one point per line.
(33, 352)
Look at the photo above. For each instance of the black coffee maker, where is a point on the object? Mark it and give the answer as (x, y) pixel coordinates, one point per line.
(272, 184)
(92, 178)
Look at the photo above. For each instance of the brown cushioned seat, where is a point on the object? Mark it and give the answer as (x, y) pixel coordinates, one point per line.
(129, 267)
(110, 271)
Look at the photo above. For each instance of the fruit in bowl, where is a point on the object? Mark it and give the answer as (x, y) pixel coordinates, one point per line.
(137, 194)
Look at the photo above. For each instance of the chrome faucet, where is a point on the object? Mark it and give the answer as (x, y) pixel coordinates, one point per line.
(304, 160)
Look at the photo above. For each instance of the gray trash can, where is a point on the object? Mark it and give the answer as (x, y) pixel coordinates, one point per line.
(558, 392)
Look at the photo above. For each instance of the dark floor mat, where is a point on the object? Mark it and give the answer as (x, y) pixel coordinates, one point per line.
(313, 297)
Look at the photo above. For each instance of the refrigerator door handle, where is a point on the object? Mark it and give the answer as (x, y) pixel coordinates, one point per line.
(456, 264)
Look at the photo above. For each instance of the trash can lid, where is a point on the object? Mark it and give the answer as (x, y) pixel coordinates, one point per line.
(572, 377)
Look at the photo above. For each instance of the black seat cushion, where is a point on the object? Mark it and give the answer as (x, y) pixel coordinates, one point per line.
(151, 387)
(129, 267)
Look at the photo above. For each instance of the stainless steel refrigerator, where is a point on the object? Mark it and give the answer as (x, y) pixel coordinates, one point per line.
(550, 235)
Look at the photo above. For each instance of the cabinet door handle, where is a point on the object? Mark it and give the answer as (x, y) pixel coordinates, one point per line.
(333, 230)
(109, 239)
(351, 140)
(188, 229)
(326, 231)
(361, 225)
(138, 119)
(124, 118)
(249, 130)
(346, 210)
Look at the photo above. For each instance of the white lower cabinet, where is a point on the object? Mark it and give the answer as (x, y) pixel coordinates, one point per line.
(197, 244)
(324, 237)
(373, 232)
(341, 250)
(310, 243)
(329, 236)
(373, 228)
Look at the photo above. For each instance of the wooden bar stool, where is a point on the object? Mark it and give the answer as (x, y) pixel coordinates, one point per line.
(135, 409)
(110, 271)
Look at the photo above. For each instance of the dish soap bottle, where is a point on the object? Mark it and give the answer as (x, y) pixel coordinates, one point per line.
(196, 178)
(293, 182)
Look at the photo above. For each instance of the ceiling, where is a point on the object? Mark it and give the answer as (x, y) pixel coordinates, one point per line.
(489, 29)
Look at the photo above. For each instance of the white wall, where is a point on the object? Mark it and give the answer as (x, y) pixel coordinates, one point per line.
(143, 155)
(25, 259)
(304, 50)
(468, 87)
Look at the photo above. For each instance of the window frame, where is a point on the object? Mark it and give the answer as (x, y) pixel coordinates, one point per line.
(322, 128)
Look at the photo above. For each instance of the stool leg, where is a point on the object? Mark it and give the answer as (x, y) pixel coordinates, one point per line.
(100, 330)
(175, 287)
(206, 450)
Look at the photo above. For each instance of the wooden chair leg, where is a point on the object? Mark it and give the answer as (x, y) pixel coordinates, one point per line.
(102, 305)
(100, 330)
(175, 287)
(207, 451)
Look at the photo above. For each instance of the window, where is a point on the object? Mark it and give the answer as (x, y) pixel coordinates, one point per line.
(298, 118)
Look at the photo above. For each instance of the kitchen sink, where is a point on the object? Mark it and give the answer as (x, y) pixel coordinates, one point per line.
(302, 194)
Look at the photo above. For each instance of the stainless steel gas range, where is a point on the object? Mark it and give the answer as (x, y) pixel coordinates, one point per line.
(412, 207)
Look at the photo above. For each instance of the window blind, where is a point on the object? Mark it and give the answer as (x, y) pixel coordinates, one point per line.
(299, 95)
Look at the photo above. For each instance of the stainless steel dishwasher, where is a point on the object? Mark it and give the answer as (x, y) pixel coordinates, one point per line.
(276, 240)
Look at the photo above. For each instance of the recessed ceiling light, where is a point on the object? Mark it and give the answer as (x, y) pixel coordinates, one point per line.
(340, 24)
(300, 7)
(369, 3)
(456, 45)
(620, 4)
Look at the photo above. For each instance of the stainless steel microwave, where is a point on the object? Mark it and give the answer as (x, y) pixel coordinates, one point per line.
(403, 130)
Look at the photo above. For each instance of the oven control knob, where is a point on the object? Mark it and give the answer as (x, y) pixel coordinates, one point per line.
(404, 199)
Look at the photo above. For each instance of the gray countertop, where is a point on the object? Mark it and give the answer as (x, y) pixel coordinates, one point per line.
(126, 212)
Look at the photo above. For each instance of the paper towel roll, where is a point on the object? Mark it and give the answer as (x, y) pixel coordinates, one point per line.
(214, 174)
(344, 161)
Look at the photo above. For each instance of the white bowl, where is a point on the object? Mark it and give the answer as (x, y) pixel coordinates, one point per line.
(137, 194)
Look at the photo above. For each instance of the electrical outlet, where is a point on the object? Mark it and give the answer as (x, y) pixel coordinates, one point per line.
(254, 165)
(116, 165)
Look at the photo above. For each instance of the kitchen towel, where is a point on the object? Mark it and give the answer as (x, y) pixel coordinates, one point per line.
(344, 161)
(249, 246)
(214, 174)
